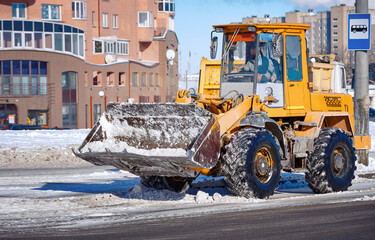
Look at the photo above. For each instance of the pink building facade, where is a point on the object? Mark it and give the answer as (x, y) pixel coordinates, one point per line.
(61, 62)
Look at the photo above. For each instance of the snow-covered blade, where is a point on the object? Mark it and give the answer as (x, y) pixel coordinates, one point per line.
(153, 139)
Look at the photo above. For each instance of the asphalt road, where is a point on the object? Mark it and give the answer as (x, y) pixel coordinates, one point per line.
(353, 220)
(80, 203)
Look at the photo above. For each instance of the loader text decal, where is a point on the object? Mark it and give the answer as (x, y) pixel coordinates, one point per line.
(333, 101)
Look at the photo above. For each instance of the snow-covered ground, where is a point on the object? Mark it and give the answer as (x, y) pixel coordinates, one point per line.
(43, 185)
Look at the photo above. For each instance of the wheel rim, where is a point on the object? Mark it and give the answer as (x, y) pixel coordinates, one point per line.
(263, 165)
(339, 162)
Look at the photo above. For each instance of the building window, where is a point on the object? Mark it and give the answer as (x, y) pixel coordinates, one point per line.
(97, 78)
(122, 79)
(150, 80)
(144, 19)
(156, 80)
(166, 5)
(110, 78)
(23, 77)
(86, 79)
(109, 47)
(58, 42)
(93, 18)
(97, 112)
(115, 21)
(69, 99)
(334, 26)
(105, 20)
(98, 46)
(335, 34)
(143, 79)
(335, 40)
(122, 48)
(334, 20)
(143, 99)
(42, 36)
(18, 10)
(37, 117)
(134, 79)
(7, 39)
(79, 10)
(51, 12)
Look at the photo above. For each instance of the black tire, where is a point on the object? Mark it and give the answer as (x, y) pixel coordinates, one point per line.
(332, 163)
(175, 184)
(252, 164)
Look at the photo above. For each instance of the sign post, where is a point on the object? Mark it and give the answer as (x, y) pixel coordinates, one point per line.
(359, 39)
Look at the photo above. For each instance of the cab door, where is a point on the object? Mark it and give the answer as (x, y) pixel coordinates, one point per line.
(295, 90)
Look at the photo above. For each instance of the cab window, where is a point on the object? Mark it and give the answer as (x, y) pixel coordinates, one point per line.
(293, 58)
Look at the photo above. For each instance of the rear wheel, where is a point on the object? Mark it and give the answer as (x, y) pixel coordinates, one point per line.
(252, 164)
(332, 163)
(175, 184)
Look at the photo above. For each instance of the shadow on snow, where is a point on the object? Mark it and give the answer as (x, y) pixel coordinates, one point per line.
(132, 189)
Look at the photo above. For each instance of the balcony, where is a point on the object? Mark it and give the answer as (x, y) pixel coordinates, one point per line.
(42, 36)
(145, 34)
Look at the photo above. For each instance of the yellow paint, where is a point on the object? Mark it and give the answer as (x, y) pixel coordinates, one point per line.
(295, 107)
(309, 99)
(362, 142)
(203, 171)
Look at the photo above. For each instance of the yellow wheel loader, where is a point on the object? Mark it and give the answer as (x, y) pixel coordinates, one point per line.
(256, 113)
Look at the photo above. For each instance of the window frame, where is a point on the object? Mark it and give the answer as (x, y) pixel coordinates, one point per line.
(115, 21)
(148, 20)
(82, 10)
(24, 81)
(135, 79)
(170, 3)
(122, 44)
(105, 20)
(293, 75)
(18, 11)
(50, 11)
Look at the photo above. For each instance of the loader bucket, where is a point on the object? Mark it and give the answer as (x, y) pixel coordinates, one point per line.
(153, 139)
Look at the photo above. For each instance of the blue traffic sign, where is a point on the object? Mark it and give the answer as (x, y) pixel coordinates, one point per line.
(359, 31)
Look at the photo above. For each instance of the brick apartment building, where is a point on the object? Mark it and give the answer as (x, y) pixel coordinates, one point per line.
(62, 61)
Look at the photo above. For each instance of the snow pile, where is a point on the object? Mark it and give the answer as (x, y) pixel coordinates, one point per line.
(146, 125)
(203, 197)
(366, 169)
(29, 138)
(117, 146)
(40, 148)
(39, 156)
(141, 192)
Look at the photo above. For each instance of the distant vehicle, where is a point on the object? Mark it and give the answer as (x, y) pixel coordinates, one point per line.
(358, 28)
(27, 127)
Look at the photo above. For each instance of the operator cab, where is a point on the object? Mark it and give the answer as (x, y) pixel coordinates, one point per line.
(252, 64)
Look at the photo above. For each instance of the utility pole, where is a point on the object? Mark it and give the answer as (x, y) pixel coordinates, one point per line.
(361, 90)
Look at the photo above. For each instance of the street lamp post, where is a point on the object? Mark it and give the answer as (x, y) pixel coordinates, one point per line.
(101, 94)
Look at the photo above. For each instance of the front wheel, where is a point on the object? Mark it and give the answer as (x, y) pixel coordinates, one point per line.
(332, 163)
(252, 164)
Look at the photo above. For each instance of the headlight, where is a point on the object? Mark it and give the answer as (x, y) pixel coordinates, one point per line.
(269, 91)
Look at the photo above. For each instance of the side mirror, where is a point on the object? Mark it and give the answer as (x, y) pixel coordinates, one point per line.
(213, 47)
(277, 45)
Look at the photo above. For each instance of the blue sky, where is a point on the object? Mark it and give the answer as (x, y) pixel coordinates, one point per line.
(194, 20)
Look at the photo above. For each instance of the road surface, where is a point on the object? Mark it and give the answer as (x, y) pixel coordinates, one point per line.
(89, 201)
